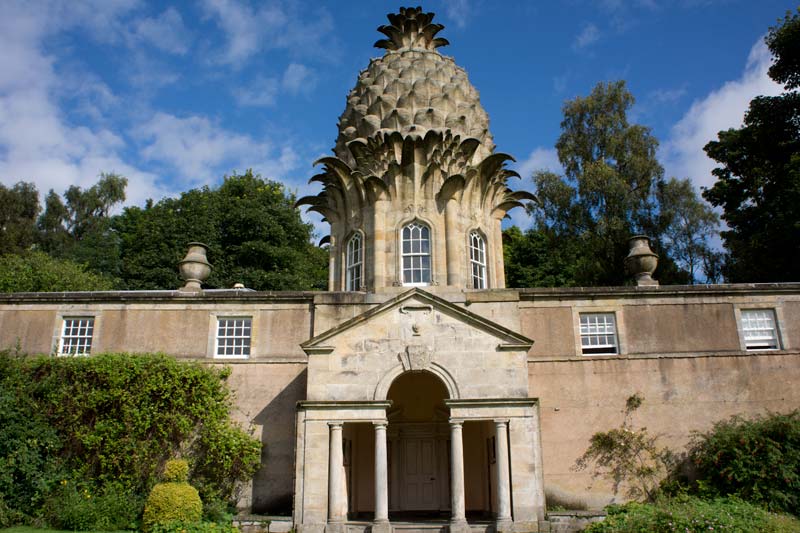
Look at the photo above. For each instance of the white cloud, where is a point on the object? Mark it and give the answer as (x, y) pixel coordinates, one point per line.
(590, 34)
(458, 11)
(722, 109)
(539, 159)
(37, 142)
(166, 32)
(298, 79)
(261, 93)
(200, 151)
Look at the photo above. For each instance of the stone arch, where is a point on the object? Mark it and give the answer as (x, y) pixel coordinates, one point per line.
(382, 389)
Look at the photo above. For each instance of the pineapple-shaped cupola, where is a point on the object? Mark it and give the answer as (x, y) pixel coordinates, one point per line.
(411, 28)
(415, 193)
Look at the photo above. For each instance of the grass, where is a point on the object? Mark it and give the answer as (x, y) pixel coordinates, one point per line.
(28, 529)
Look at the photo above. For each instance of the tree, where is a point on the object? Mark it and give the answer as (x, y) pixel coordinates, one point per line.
(687, 224)
(254, 233)
(79, 228)
(530, 260)
(610, 192)
(758, 182)
(19, 207)
(36, 271)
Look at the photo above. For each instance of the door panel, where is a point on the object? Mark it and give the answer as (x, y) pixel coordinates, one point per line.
(420, 486)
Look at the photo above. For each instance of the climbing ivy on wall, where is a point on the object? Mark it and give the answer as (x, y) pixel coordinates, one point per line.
(114, 419)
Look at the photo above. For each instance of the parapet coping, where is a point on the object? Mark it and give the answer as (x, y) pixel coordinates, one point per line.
(467, 296)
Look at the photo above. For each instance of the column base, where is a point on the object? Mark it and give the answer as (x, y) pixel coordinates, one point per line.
(504, 526)
(381, 526)
(459, 526)
(335, 527)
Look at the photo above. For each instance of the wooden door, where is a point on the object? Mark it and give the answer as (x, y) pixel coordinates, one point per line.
(419, 484)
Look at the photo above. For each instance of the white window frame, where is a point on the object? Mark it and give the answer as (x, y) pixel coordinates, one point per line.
(478, 263)
(767, 316)
(416, 223)
(354, 269)
(218, 321)
(590, 330)
(67, 331)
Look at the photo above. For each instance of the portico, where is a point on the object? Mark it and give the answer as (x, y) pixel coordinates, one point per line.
(406, 421)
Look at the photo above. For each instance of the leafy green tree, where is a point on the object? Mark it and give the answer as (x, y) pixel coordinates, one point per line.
(19, 207)
(758, 182)
(254, 233)
(610, 192)
(687, 225)
(79, 228)
(531, 261)
(38, 272)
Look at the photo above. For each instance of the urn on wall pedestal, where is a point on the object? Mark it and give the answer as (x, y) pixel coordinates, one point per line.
(194, 268)
(641, 261)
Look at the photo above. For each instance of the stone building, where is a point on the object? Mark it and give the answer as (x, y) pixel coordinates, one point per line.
(419, 388)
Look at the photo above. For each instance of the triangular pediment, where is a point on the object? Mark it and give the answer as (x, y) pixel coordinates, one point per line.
(413, 301)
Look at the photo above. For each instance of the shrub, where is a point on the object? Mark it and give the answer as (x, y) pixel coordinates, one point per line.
(757, 460)
(174, 501)
(80, 507)
(113, 420)
(194, 527)
(628, 456)
(693, 515)
(176, 470)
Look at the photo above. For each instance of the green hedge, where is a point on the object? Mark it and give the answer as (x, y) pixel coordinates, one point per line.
(693, 515)
(757, 460)
(113, 419)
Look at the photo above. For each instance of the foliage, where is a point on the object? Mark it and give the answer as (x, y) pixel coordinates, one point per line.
(608, 193)
(80, 506)
(20, 207)
(169, 502)
(38, 272)
(530, 260)
(758, 180)
(27, 446)
(176, 470)
(757, 460)
(254, 234)
(79, 228)
(628, 456)
(194, 527)
(112, 420)
(692, 515)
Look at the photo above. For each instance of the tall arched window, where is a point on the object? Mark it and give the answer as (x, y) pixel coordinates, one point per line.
(355, 263)
(416, 254)
(477, 260)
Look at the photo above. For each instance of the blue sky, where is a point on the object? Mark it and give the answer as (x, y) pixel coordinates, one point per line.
(176, 95)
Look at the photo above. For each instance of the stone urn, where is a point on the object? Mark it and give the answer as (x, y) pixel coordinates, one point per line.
(641, 261)
(194, 268)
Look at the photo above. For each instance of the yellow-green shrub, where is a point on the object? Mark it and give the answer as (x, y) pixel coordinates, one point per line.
(176, 470)
(174, 501)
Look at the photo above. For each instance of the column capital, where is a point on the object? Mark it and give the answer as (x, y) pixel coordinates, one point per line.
(500, 422)
(456, 422)
(335, 425)
(380, 424)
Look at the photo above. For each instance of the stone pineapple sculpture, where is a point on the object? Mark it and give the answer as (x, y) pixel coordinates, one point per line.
(412, 138)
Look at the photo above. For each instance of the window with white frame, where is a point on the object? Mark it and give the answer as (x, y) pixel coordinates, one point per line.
(355, 262)
(76, 335)
(477, 260)
(416, 254)
(598, 333)
(233, 337)
(759, 329)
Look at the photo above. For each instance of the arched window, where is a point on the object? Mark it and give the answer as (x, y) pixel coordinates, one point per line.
(355, 263)
(416, 254)
(477, 260)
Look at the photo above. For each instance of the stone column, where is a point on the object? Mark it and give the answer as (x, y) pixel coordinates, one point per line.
(337, 488)
(503, 477)
(377, 248)
(458, 518)
(498, 264)
(381, 481)
(452, 241)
